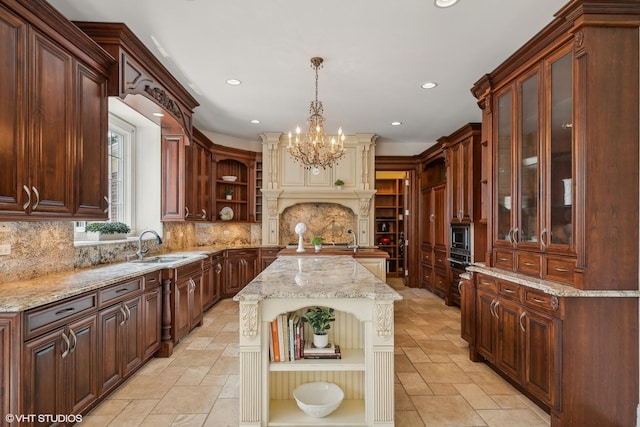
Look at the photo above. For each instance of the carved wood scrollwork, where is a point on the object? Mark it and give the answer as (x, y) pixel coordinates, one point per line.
(578, 39)
(249, 319)
(365, 204)
(163, 99)
(384, 319)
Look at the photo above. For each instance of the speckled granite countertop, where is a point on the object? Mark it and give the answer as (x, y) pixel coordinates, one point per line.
(26, 294)
(547, 286)
(328, 250)
(321, 277)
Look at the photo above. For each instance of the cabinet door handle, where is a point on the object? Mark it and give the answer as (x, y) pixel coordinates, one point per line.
(35, 191)
(521, 321)
(459, 286)
(218, 268)
(106, 199)
(64, 310)
(28, 202)
(65, 352)
(192, 285)
(509, 291)
(561, 270)
(495, 309)
(514, 239)
(128, 312)
(508, 236)
(186, 212)
(543, 235)
(491, 308)
(432, 217)
(529, 264)
(75, 340)
(204, 214)
(124, 315)
(538, 300)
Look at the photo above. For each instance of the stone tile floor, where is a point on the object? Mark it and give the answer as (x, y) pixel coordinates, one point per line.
(436, 383)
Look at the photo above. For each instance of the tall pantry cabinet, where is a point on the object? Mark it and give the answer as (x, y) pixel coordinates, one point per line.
(556, 305)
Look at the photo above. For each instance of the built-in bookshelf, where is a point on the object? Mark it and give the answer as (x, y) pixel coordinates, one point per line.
(389, 211)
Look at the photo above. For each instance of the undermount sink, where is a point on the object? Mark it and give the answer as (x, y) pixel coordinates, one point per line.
(161, 259)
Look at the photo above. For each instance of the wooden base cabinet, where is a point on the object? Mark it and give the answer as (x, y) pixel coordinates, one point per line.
(557, 350)
(186, 299)
(241, 267)
(60, 370)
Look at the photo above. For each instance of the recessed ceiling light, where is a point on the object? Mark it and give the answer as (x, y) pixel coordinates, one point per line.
(444, 3)
(255, 121)
(396, 123)
(158, 114)
(233, 82)
(429, 85)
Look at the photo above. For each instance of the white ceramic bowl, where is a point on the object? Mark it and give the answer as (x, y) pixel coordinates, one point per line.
(318, 399)
(229, 178)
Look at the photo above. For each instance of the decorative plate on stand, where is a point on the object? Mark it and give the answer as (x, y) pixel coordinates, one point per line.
(226, 213)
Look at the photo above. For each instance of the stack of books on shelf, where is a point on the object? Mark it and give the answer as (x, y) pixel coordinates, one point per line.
(287, 341)
(331, 351)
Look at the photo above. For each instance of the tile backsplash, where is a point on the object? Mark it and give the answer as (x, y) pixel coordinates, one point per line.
(44, 247)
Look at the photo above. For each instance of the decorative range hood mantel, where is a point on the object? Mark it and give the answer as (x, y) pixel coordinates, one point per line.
(286, 183)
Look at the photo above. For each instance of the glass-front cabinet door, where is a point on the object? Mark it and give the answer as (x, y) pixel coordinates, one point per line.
(504, 173)
(527, 230)
(557, 235)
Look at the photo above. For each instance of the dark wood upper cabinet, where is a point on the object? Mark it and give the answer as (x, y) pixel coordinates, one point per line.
(53, 115)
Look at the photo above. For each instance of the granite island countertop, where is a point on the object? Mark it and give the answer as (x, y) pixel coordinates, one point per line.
(316, 277)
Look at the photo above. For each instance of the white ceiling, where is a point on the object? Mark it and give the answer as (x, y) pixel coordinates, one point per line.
(377, 54)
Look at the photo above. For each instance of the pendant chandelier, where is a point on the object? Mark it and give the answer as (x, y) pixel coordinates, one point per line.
(316, 150)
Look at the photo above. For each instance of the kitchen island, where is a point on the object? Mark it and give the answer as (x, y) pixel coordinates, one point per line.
(363, 329)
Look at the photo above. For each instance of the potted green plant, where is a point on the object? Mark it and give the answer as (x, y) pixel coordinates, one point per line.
(339, 184)
(228, 193)
(320, 319)
(317, 243)
(107, 230)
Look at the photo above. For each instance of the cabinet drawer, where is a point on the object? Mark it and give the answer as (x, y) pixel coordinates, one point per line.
(427, 275)
(440, 259)
(440, 281)
(193, 269)
(504, 260)
(559, 269)
(427, 256)
(242, 253)
(269, 252)
(40, 320)
(528, 263)
(509, 290)
(119, 292)
(151, 280)
(486, 283)
(540, 301)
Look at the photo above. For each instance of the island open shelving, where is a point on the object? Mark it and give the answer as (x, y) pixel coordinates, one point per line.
(363, 329)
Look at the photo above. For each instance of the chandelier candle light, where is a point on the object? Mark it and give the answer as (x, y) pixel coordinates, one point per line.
(316, 150)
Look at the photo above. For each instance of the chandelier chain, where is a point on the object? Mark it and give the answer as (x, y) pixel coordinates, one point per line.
(316, 150)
